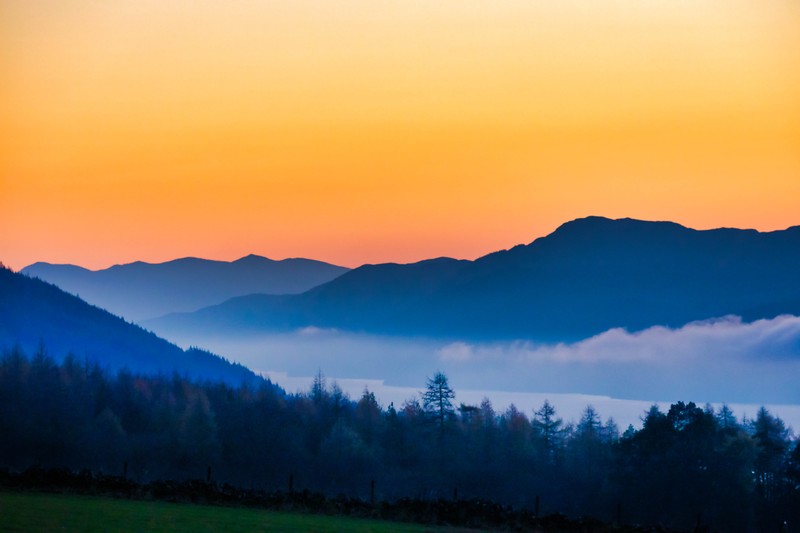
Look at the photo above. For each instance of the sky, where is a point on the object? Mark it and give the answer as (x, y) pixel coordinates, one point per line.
(373, 131)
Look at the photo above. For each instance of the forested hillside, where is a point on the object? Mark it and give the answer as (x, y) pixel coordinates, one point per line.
(34, 313)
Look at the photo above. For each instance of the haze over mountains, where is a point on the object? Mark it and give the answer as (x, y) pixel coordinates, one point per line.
(139, 290)
(589, 276)
(34, 313)
(538, 317)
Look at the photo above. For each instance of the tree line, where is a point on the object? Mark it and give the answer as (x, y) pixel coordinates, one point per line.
(685, 467)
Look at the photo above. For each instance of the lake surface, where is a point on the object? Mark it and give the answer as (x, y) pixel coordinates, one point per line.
(568, 406)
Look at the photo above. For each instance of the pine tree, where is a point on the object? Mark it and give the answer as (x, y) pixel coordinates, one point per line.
(437, 399)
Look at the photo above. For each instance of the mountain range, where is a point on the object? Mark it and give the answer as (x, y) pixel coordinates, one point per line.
(139, 290)
(35, 314)
(590, 275)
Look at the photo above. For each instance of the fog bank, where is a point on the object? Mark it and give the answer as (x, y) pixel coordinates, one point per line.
(723, 360)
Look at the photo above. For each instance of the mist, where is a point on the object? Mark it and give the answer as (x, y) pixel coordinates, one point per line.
(716, 361)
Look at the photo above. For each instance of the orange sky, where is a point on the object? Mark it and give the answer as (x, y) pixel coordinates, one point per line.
(370, 131)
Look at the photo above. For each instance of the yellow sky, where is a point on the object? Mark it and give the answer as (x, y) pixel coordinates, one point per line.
(370, 131)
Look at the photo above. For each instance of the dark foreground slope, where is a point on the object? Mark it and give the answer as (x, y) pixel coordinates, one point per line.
(588, 276)
(34, 313)
(140, 290)
(81, 504)
(740, 475)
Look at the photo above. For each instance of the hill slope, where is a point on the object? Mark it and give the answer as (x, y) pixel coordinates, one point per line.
(33, 312)
(140, 290)
(588, 276)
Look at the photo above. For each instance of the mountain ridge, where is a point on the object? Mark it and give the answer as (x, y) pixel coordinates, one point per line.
(589, 275)
(141, 290)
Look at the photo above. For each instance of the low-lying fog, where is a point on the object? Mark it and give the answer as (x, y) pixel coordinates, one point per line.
(743, 364)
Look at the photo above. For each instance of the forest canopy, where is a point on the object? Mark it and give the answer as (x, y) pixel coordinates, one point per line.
(683, 466)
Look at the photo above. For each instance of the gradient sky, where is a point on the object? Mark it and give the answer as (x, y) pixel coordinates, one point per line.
(371, 131)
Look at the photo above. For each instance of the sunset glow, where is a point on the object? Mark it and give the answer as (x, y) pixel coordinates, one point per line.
(363, 131)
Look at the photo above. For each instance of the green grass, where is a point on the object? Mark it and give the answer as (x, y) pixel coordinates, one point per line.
(35, 512)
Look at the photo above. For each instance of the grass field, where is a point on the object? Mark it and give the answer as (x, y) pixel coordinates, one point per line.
(38, 512)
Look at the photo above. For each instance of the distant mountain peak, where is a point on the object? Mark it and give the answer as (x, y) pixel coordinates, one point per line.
(600, 223)
(42, 265)
(441, 259)
(254, 258)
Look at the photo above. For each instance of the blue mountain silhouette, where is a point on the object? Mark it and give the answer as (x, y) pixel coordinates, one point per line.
(34, 313)
(590, 275)
(146, 290)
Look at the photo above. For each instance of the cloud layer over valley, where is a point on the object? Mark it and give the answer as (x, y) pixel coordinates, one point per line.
(722, 360)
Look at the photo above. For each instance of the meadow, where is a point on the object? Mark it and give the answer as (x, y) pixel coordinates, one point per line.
(41, 512)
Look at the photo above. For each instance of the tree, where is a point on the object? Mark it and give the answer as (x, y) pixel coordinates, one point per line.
(367, 416)
(587, 460)
(772, 441)
(726, 420)
(589, 424)
(198, 434)
(437, 399)
(548, 428)
(319, 388)
(793, 469)
(683, 415)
